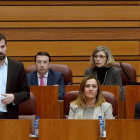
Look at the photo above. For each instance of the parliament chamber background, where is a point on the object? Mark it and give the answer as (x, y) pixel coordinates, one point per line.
(70, 30)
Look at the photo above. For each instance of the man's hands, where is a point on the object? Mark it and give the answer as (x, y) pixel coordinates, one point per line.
(9, 98)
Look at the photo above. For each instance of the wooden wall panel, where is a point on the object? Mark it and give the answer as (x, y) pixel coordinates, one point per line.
(73, 34)
(44, 13)
(70, 30)
(71, 48)
(69, 24)
(66, 3)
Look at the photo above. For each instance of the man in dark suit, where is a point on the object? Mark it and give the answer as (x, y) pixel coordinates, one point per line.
(137, 111)
(13, 84)
(44, 76)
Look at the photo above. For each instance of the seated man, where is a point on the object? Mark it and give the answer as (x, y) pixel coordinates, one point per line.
(137, 111)
(45, 76)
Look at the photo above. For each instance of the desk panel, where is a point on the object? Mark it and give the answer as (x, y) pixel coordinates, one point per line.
(68, 129)
(15, 129)
(46, 101)
(122, 129)
(132, 97)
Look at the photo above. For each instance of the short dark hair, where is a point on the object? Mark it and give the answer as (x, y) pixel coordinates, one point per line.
(44, 54)
(3, 37)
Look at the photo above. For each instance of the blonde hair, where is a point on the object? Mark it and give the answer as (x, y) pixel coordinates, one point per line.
(110, 60)
(81, 99)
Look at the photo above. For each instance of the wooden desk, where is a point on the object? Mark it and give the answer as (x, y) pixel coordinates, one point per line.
(61, 109)
(34, 138)
(46, 101)
(132, 97)
(15, 129)
(122, 129)
(68, 129)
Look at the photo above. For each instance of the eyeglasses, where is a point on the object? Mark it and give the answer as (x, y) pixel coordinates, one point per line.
(100, 56)
(42, 62)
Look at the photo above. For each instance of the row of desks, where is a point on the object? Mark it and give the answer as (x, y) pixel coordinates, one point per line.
(52, 126)
(49, 107)
(61, 129)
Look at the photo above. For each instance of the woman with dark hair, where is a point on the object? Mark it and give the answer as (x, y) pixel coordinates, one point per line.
(90, 102)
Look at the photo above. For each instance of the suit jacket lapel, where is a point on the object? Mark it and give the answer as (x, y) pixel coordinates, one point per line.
(34, 79)
(10, 71)
(97, 112)
(50, 78)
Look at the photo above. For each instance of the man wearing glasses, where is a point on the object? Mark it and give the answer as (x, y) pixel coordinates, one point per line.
(13, 84)
(44, 76)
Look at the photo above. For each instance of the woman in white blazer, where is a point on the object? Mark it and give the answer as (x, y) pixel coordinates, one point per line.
(90, 102)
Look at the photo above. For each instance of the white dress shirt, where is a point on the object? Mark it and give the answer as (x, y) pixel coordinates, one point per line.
(3, 83)
(44, 79)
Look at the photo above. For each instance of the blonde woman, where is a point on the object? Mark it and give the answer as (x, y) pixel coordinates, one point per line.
(102, 63)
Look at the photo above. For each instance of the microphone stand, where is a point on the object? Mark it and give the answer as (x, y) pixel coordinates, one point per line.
(132, 82)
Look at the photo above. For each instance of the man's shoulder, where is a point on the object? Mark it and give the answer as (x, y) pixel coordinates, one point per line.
(14, 61)
(55, 72)
(31, 74)
(15, 64)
